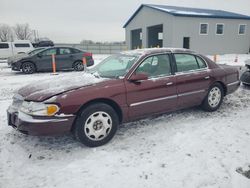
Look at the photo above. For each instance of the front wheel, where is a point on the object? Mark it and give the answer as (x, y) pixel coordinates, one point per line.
(28, 68)
(96, 125)
(214, 98)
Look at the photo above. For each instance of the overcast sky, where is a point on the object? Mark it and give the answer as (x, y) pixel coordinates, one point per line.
(98, 20)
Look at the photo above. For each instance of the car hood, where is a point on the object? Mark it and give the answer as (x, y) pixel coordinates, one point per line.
(17, 57)
(58, 84)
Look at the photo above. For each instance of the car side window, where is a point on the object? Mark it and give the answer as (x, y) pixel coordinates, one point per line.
(201, 63)
(155, 66)
(22, 45)
(64, 51)
(185, 62)
(49, 52)
(75, 51)
(4, 45)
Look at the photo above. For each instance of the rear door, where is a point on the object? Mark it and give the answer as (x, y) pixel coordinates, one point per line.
(44, 59)
(192, 79)
(155, 95)
(65, 58)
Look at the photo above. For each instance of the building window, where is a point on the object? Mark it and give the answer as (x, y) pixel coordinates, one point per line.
(160, 36)
(219, 29)
(203, 29)
(242, 29)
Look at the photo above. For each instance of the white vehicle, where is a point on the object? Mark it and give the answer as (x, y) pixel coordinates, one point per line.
(9, 49)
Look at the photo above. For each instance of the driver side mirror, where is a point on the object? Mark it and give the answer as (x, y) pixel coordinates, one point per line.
(138, 77)
(39, 55)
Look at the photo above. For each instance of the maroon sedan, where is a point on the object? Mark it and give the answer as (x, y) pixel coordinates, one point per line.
(124, 87)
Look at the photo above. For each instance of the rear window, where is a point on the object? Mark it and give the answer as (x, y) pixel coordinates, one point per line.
(185, 62)
(75, 51)
(201, 63)
(22, 45)
(4, 45)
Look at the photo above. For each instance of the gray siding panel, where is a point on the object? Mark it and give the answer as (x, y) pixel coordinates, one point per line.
(175, 28)
(229, 42)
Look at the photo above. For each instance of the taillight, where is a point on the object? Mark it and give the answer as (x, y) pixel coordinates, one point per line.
(88, 54)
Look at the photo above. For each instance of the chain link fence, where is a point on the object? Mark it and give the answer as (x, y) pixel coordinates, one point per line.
(97, 48)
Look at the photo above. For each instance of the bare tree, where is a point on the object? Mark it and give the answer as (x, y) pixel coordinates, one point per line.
(5, 33)
(23, 31)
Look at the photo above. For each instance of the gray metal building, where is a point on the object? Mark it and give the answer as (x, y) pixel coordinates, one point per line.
(203, 30)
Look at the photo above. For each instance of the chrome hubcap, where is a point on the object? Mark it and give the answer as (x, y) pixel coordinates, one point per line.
(214, 97)
(98, 126)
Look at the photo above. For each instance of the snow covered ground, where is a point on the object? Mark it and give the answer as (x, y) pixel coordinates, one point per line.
(188, 148)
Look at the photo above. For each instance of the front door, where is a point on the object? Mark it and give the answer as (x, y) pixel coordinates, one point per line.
(44, 59)
(155, 95)
(192, 79)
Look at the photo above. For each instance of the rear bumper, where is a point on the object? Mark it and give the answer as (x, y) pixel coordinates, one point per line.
(39, 125)
(232, 87)
(90, 62)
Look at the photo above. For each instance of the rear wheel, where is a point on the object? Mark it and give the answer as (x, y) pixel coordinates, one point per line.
(28, 68)
(214, 98)
(78, 66)
(96, 125)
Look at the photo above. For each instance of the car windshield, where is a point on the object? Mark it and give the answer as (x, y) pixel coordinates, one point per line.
(32, 52)
(115, 66)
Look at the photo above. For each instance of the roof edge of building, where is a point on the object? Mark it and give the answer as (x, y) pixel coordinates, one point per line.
(237, 16)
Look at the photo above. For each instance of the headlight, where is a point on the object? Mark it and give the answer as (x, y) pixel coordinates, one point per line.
(39, 109)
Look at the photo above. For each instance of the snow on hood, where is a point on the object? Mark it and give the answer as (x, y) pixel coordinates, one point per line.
(57, 84)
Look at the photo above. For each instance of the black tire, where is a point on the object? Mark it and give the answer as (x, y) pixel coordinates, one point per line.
(78, 66)
(88, 125)
(246, 85)
(210, 103)
(28, 68)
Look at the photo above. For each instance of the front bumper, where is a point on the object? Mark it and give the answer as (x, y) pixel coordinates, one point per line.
(90, 62)
(33, 125)
(15, 66)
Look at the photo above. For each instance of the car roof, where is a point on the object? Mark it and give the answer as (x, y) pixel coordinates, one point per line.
(146, 51)
(46, 48)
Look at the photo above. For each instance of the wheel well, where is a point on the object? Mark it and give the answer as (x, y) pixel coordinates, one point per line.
(109, 102)
(28, 62)
(223, 86)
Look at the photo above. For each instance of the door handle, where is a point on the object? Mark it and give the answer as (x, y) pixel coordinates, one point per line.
(169, 83)
(207, 77)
